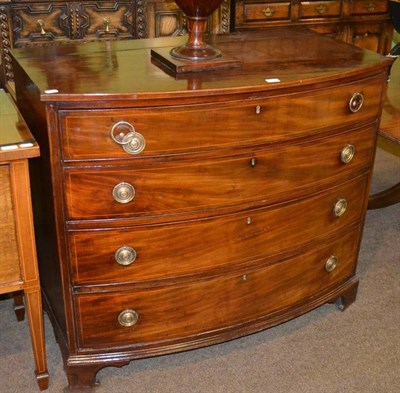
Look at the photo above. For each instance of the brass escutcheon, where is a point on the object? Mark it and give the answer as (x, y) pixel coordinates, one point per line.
(340, 207)
(331, 264)
(268, 12)
(356, 102)
(128, 318)
(123, 192)
(370, 6)
(125, 255)
(347, 153)
(136, 143)
(321, 9)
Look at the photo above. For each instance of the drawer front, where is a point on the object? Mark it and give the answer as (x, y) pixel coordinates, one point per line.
(174, 312)
(271, 11)
(167, 251)
(320, 9)
(172, 130)
(159, 189)
(106, 20)
(367, 7)
(39, 22)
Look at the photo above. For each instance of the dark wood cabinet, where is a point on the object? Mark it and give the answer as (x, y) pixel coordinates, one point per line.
(364, 23)
(178, 212)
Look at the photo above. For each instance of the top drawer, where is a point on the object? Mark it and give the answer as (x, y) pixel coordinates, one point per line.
(199, 128)
(320, 9)
(267, 11)
(366, 7)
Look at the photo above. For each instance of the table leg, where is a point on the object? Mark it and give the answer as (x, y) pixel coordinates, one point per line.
(19, 306)
(34, 308)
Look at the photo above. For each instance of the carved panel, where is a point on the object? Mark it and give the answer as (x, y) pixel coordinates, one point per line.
(223, 25)
(169, 23)
(88, 20)
(39, 22)
(106, 20)
(141, 17)
(5, 45)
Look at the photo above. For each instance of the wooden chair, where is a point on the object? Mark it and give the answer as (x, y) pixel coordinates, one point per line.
(389, 136)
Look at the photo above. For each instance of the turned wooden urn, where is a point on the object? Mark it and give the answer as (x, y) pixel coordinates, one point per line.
(197, 12)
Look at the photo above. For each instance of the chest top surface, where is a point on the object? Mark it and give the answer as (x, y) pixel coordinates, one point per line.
(290, 58)
(16, 141)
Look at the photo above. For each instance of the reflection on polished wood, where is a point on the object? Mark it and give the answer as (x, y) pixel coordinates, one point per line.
(389, 136)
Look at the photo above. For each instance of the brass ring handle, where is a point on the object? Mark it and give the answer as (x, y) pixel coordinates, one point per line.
(40, 23)
(123, 192)
(106, 23)
(347, 153)
(119, 137)
(340, 207)
(356, 102)
(268, 12)
(128, 318)
(124, 134)
(331, 264)
(125, 256)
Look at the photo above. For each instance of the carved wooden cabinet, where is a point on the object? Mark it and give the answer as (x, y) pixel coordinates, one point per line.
(52, 22)
(178, 212)
(365, 23)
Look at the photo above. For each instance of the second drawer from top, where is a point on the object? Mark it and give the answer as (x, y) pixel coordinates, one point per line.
(168, 188)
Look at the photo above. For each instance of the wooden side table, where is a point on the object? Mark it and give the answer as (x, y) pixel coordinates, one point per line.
(18, 263)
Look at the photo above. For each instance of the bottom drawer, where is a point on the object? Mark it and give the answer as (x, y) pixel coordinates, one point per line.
(159, 316)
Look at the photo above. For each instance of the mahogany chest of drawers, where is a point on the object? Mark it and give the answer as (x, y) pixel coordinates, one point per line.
(178, 212)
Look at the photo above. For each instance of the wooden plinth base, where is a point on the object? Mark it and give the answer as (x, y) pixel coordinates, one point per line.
(162, 58)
